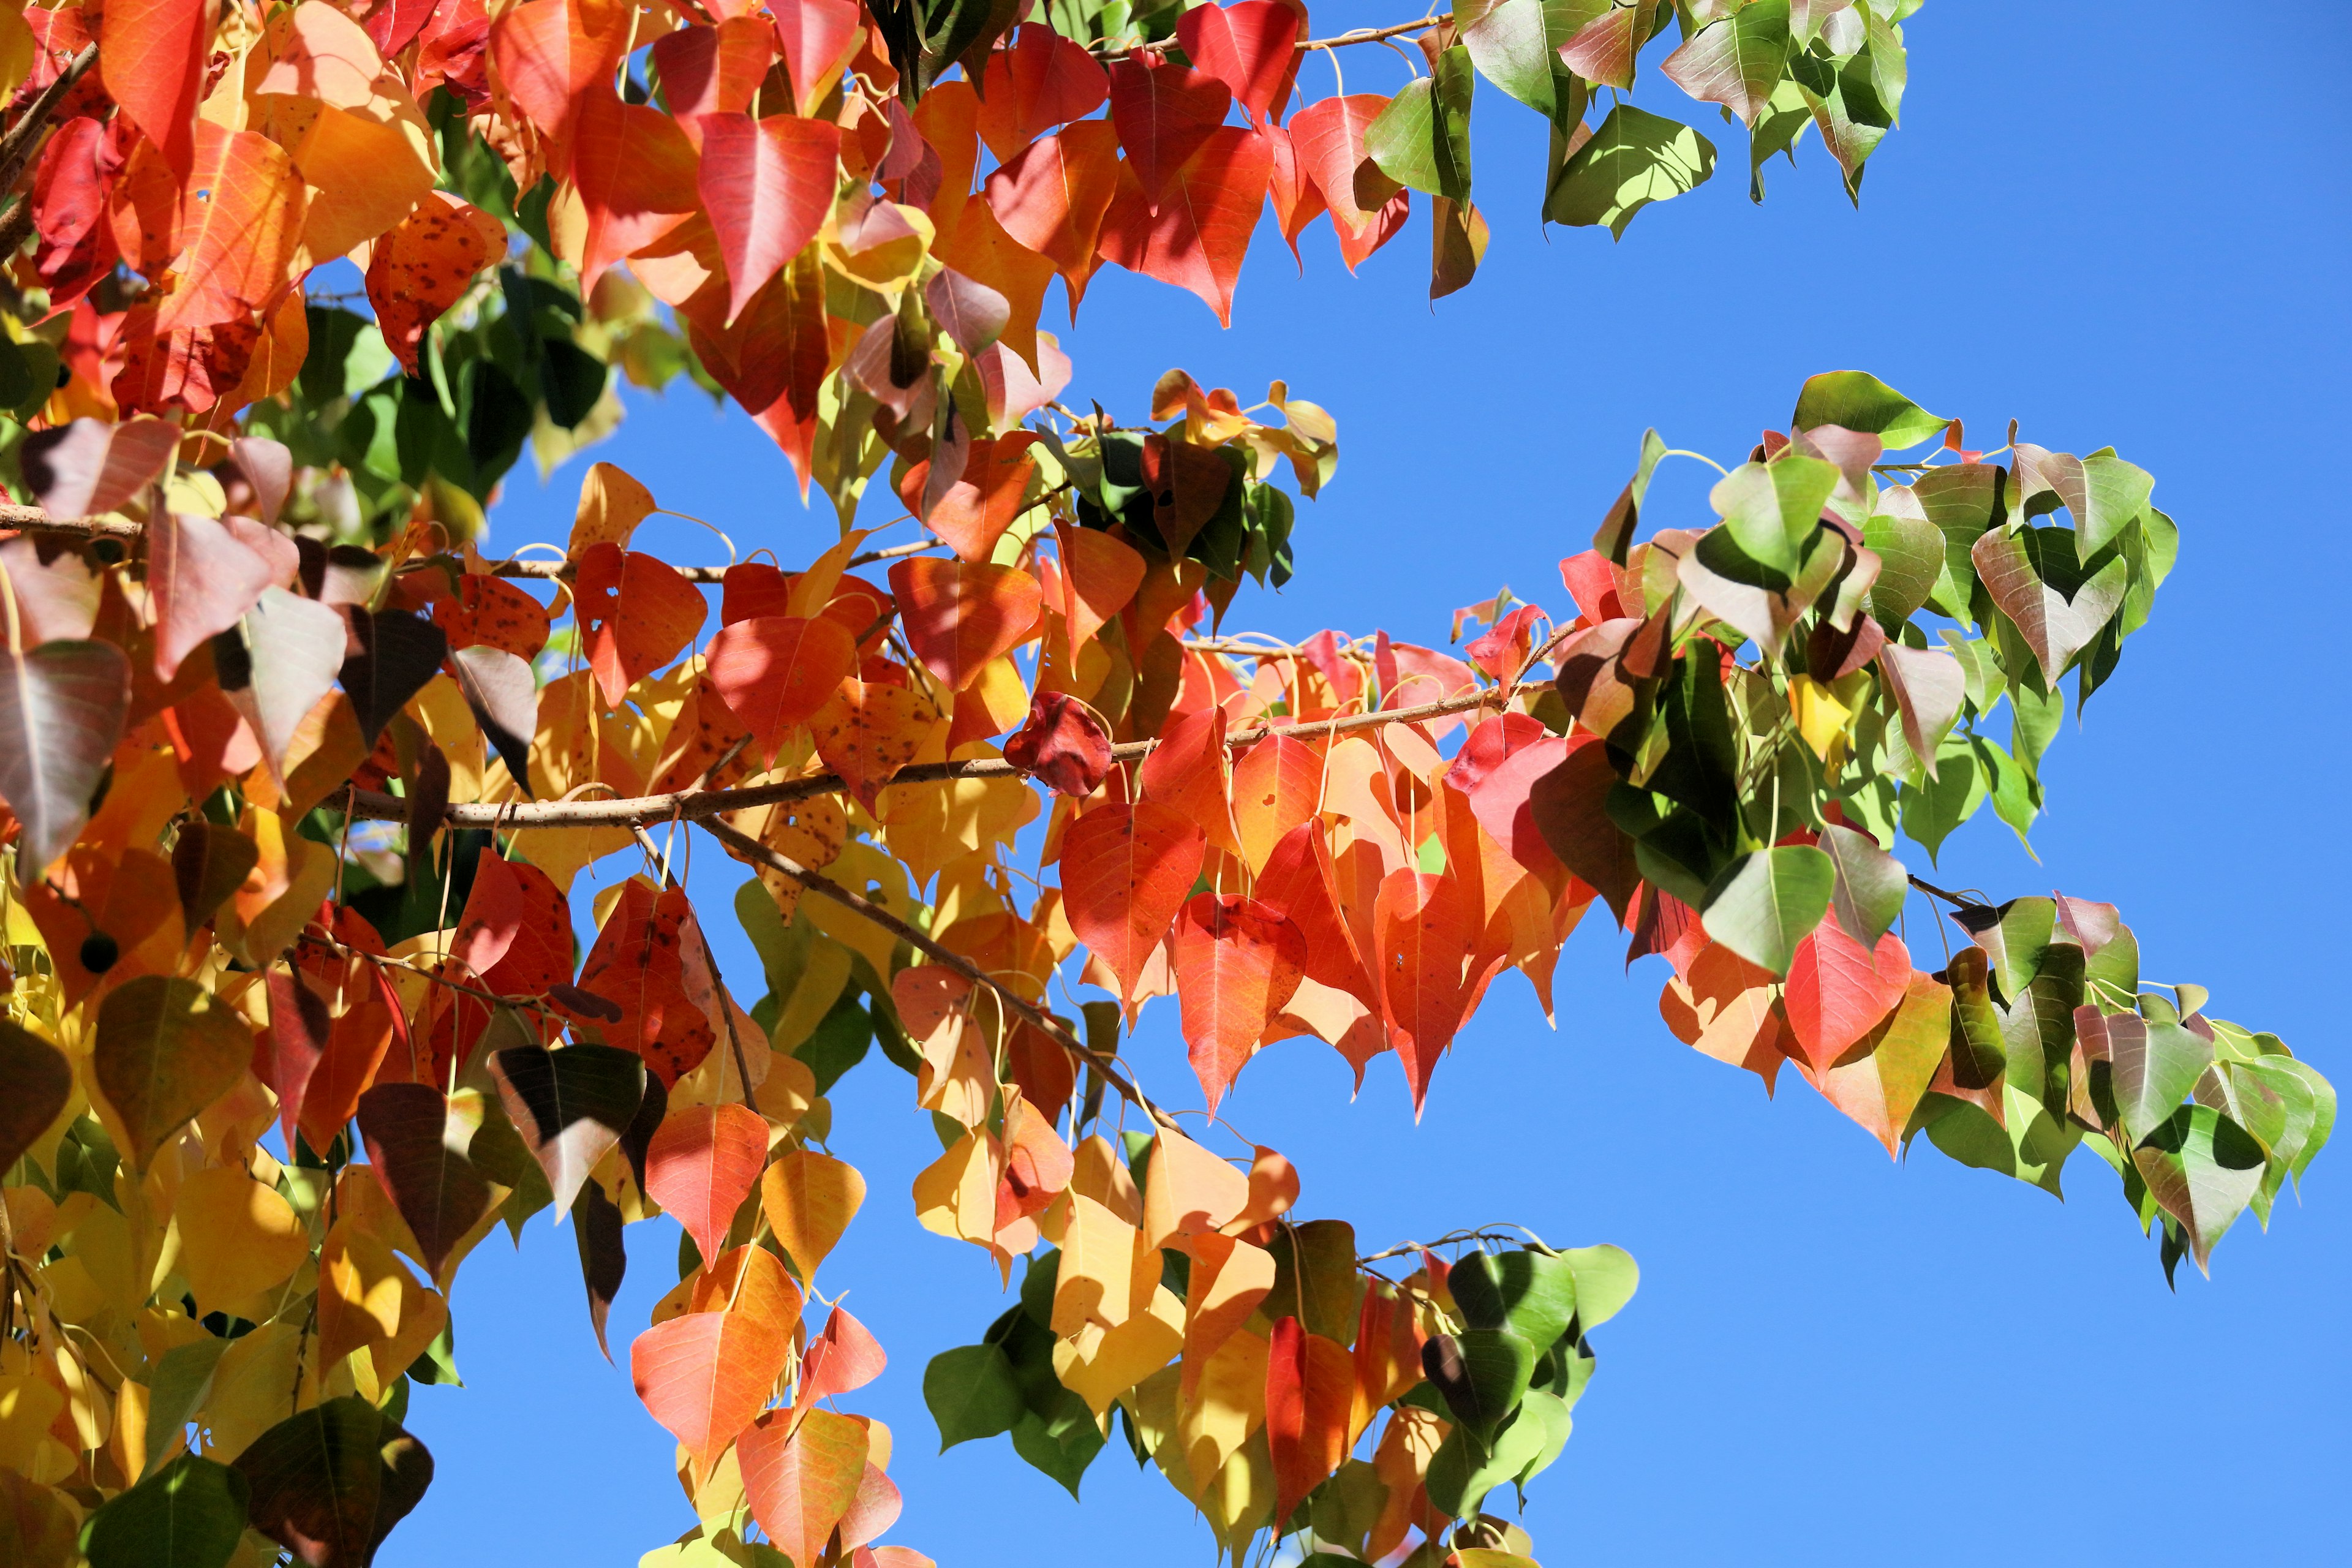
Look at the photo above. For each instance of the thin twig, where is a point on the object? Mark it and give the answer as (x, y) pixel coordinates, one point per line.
(1958, 901)
(700, 805)
(750, 848)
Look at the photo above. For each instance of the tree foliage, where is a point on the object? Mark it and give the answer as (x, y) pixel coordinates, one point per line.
(299, 783)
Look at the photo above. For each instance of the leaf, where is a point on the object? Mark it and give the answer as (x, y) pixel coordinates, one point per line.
(972, 315)
(240, 216)
(417, 1144)
(1766, 902)
(283, 658)
(958, 616)
(1839, 990)
(572, 1106)
(1516, 45)
(1328, 135)
(236, 1237)
(767, 185)
(1164, 113)
(425, 265)
(204, 576)
(1310, 1390)
(39, 1081)
(869, 729)
(1422, 139)
(2057, 619)
(842, 1359)
(775, 672)
(1604, 50)
(1635, 159)
(702, 1164)
(180, 1389)
(399, 652)
(1041, 82)
(1736, 61)
(1774, 510)
(1252, 48)
(1481, 1374)
(704, 1375)
(166, 1048)
(2203, 1169)
(1197, 234)
(1425, 934)
(152, 61)
(1063, 745)
(503, 697)
(2153, 1065)
(1532, 1293)
(603, 1254)
(801, 1477)
(1857, 401)
(1606, 1278)
(635, 614)
(1238, 963)
(1871, 884)
(189, 1514)
(1928, 687)
(87, 466)
(809, 1199)
(637, 174)
(62, 706)
(1126, 871)
(1569, 805)
(329, 1483)
(972, 1394)
(1052, 195)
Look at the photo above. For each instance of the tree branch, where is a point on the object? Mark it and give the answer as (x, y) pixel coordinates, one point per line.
(16, 145)
(1106, 1067)
(700, 805)
(1958, 901)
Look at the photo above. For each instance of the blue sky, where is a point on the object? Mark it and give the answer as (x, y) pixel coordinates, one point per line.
(2113, 222)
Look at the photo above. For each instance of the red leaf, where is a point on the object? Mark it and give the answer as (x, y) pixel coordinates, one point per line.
(425, 266)
(875, 1508)
(1164, 113)
(1126, 871)
(635, 614)
(287, 1052)
(713, 70)
(960, 615)
(1838, 990)
(767, 185)
(1296, 200)
(841, 1360)
(1237, 964)
(1041, 82)
(639, 961)
(870, 728)
(775, 672)
(1596, 583)
(976, 510)
(70, 210)
(89, 466)
(516, 933)
(1201, 231)
(1186, 771)
(1311, 1386)
(1052, 195)
(817, 39)
(1099, 577)
(1064, 744)
(1252, 48)
(1299, 880)
(1506, 644)
(1329, 136)
(802, 1473)
(705, 1375)
(549, 52)
(1496, 769)
(637, 176)
(152, 57)
(1427, 935)
(703, 1163)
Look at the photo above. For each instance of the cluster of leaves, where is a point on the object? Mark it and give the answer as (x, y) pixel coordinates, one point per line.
(299, 787)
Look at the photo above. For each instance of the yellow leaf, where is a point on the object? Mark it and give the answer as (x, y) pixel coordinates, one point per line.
(1106, 1274)
(251, 1386)
(1189, 1191)
(236, 1237)
(1241, 1495)
(1229, 1278)
(1102, 1363)
(809, 1199)
(1226, 1406)
(955, 1195)
(364, 1292)
(1820, 718)
(28, 1403)
(611, 504)
(1098, 1172)
(366, 175)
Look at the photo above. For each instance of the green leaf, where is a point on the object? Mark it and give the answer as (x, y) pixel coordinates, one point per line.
(1606, 1279)
(1772, 509)
(1859, 401)
(1516, 43)
(1767, 904)
(1736, 62)
(2152, 1065)
(189, 1514)
(2202, 1169)
(1062, 1445)
(1423, 137)
(1465, 1468)
(1871, 884)
(971, 1392)
(1933, 809)
(1481, 1374)
(1910, 553)
(2028, 1143)
(1532, 1293)
(1615, 535)
(181, 1384)
(1635, 159)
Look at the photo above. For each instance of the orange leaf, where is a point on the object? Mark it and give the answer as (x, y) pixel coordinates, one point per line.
(959, 614)
(425, 266)
(802, 1475)
(1126, 870)
(1328, 137)
(702, 1163)
(775, 672)
(1187, 771)
(842, 1360)
(1426, 935)
(1200, 232)
(978, 508)
(1724, 1007)
(867, 731)
(1237, 963)
(489, 611)
(549, 52)
(1311, 1386)
(240, 216)
(705, 1375)
(1099, 577)
(1051, 196)
(767, 185)
(809, 1199)
(1880, 1080)
(635, 614)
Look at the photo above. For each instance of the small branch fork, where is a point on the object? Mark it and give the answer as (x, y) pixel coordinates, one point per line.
(1958, 901)
(19, 144)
